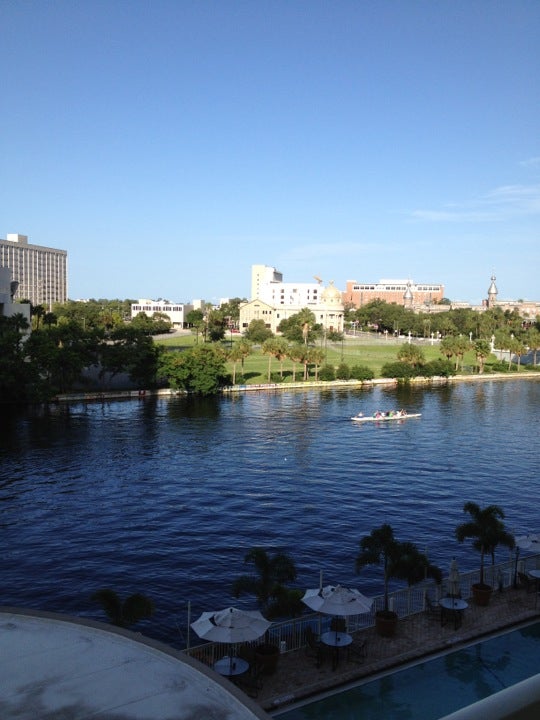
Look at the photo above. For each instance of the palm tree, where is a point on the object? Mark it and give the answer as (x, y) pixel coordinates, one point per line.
(482, 351)
(281, 347)
(413, 566)
(269, 348)
(533, 338)
(378, 548)
(296, 354)
(236, 354)
(275, 347)
(267, 582)
(412, 355)
(123, 614)
(38, 312)
(447, 347)
(461, 345)
(486, 529)
(317, 356)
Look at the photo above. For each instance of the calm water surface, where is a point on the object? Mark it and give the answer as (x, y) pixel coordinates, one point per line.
(166, 496)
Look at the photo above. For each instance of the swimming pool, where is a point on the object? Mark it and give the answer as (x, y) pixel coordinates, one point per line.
(434, 688)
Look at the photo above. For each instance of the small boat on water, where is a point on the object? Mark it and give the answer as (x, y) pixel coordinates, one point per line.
(385, 416)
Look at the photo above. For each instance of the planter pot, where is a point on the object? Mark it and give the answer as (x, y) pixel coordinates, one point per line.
(481, 594)
(386, 623)
(267, 657)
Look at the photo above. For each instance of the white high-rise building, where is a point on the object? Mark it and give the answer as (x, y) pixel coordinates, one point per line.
(267, 285)
(40, 271)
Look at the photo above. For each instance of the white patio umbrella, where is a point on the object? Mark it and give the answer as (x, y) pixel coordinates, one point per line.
(231, 625)
(337, 600)
(528, 542)
(454, 582)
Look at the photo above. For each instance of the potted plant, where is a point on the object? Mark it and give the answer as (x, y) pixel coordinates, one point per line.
(381, 547)
(267, 655)
(486, 529)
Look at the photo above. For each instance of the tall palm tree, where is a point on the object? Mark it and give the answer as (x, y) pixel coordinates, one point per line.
(270, 574)
(268, 348)
(296, 354)
(378, 548)
(486, 529)
(124, 613)
(317, 357)
(235, 355)
(281, 347)
(482, 351)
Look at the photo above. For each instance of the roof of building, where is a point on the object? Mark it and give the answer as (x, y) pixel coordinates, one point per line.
(54, 666)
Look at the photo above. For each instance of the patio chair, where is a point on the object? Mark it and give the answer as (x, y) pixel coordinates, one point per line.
(529, 583)
(314, 647)
(247, 652)
(432, 608)
(356, 651)
(251, 682)
(338, 625)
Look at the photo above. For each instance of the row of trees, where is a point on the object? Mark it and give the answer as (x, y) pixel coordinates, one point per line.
(52, 359)
(400, 560)
(378, 316)
(381, 316)
(272, 573)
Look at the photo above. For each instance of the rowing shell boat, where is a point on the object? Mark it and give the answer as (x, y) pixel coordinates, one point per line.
(384, 418)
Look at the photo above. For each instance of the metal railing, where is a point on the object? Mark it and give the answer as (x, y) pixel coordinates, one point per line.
(290, 635)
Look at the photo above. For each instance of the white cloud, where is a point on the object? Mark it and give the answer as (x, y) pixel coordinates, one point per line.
(530, 162)
(500, 204)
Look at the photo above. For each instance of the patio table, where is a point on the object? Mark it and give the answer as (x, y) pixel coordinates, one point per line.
(336, 639)
(230, 666)
(455, 606)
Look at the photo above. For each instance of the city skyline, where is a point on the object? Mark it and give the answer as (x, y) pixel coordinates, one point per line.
(169, 146)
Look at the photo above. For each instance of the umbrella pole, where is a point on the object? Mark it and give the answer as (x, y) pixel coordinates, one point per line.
(188, 622)
(320, 590)
(516, 567)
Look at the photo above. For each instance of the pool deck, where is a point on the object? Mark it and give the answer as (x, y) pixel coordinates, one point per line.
(418, 636)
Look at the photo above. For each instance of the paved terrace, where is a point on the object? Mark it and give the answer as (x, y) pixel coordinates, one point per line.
(417, 636)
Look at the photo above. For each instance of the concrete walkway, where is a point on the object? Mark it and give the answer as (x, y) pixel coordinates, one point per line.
(418, 636)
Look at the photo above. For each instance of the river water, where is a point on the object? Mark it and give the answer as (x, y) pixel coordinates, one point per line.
(165, 496)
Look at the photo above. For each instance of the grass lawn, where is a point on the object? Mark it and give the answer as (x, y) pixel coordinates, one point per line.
(352, 351)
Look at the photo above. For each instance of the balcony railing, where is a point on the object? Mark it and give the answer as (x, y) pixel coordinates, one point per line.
(290, 635)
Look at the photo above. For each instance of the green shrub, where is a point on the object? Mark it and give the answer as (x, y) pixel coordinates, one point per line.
(327, 373)
(398, 370)
(343, 372)
(438, 368)
(361, 372)
(499, 367)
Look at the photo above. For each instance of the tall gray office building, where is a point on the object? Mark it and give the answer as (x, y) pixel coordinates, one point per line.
(40, 271)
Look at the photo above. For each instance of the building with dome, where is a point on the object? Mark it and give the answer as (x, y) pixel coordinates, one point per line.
(273, 300)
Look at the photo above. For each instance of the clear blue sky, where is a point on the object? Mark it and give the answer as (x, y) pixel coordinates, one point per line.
(168, 145)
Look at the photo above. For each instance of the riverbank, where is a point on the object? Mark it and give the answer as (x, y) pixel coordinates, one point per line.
(307, 385)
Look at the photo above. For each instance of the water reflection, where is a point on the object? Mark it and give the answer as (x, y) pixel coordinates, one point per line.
(165, 496)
